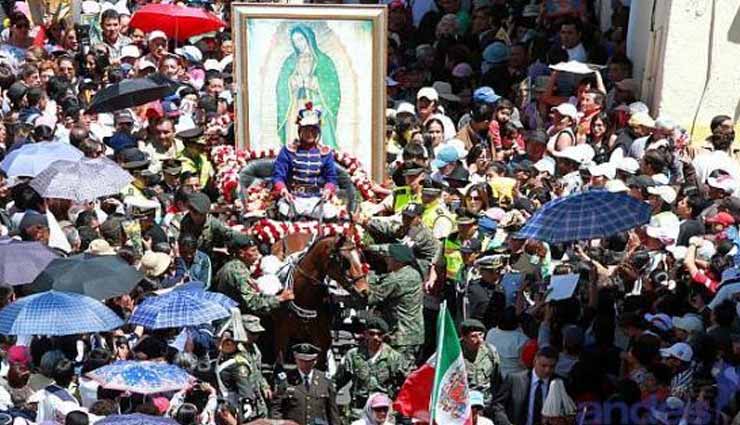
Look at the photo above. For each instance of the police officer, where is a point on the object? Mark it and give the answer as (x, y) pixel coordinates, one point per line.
(414, 177)
(410, 231)
(193, 157)
(486, 297)
(239, 377)
(462, 299)
(397, 295)
(235, 279)
(372, 367)
(481, 360)
(306, 395)
(436, 215)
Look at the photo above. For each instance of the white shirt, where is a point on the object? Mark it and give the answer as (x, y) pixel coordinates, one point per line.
(532, 389)
(578, 53)
(52, 408)
(716, 160)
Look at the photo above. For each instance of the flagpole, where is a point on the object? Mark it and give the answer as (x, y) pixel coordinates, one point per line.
(437, 371)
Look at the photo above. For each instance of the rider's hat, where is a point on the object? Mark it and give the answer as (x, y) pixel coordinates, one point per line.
(309, 116)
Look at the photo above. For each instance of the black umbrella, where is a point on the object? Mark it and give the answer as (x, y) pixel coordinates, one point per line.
(97, 276)
(129, 93)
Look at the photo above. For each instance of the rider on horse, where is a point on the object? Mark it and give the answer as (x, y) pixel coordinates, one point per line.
(304, 172)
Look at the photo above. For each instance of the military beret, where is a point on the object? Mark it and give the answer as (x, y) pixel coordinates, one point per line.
(377, 323)
(469, 325)
(240, 240)
(305, 351)
(400, 252)
(199, 202)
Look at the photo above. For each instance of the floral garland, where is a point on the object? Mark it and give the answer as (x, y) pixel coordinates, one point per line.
(270, 231)
(228, 161)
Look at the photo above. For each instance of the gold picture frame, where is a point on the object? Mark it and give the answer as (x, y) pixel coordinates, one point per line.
(288, 54)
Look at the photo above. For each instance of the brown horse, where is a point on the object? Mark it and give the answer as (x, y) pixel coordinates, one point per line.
(306, 318)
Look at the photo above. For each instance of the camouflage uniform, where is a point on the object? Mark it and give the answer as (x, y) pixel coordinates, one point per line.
(241, 382)
(483, 371)
(398, 296)
(213, 234)
(418, 238)
(235, 280)
(383, 373)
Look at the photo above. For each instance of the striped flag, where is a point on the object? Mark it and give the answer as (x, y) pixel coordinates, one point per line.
(437, 392)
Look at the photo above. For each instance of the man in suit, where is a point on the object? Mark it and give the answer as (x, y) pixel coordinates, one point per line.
(521, 397)
(305, 395)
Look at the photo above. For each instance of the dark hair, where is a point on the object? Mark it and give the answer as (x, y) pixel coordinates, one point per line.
(226, 406)
(64, 372)
(18, 375)
(481, 112)
(187, 414)
(6, 293)
(6, 76)
(475, 153)
(109, 14)
(208, 103)
(717, 121)
(646, 349)
(549, 352)
(725, 313)
(98, 357)
(413, 151)
(656, 159)
(148, 408)
(34, 95)
(504, 104)
(573, 21)
(404, 122)
(623, 60)
(76, 417)
(104, 407)
(85, 218)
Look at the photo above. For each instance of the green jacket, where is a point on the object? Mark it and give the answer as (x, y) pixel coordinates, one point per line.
(235, 281)
(422, 242)
(241, 381)
(484, 371)
(398, 296)
(213, 234)
(385, 373)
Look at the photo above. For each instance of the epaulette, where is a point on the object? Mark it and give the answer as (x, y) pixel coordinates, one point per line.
(324, 150)
(292, 146)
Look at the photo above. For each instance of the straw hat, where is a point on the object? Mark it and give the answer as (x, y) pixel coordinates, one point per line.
(154, 264)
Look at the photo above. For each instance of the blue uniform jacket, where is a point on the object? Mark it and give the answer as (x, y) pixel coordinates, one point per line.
(296, 165)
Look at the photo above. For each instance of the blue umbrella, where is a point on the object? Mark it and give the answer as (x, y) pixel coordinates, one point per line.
(57, 313)
(141, 377)
(21, 262)
(588, 215)
(136, 419)
(177, 309)
(31, 159)
(197, 288)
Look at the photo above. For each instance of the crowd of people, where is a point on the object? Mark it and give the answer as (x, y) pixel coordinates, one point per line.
(495, 108)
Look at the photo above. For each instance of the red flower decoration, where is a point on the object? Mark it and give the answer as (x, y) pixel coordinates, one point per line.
(309, 105)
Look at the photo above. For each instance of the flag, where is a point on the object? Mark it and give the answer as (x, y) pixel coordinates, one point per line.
(437, 392)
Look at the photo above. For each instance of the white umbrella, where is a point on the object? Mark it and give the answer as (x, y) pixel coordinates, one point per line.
(83, 180)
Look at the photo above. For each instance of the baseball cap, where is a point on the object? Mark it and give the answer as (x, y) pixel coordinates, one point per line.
(604, 170)
(252, 323)
(448, 154)
(615, 186)
(567, 110)
(721, 218)
(723, 182)
(641, 119)
(665, 192)
(199, 202)
(462, 70)
(123, 117)
(689, 322)
(679, 350)
(190, 53)
(427, 92)
(627, 164)
(170, 109)
(157, 34)
(144, 63)
(485, 94)
(661, 321)
(664, 226)
(379, 400)
(413, 210)
(130, 51)
(406, 107)
(496, 53)
(470, 246)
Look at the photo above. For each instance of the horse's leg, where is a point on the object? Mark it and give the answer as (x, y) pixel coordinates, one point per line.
(282, 335)
(322, 336)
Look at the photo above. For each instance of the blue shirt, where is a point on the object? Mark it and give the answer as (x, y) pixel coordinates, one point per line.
(312, 167)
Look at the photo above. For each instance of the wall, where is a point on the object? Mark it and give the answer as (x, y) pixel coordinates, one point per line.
(687, 55)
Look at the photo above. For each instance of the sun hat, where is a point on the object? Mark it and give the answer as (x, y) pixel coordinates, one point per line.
(154, 264)
(664, 226)
(616, 186)
(444, 91)
(100, 247)
(665, 192)
(641, 119)
(581, 154)
(604, 170)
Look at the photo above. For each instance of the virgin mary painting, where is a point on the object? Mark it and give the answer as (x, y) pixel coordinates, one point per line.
(307, 75)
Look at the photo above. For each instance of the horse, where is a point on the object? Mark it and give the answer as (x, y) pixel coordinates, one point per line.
(306, 318)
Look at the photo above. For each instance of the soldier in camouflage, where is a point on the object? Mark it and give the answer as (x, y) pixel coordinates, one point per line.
(372, 367)
(481, 360)
(410, 231)
(397, 295)
(235, 279)
(210, 232)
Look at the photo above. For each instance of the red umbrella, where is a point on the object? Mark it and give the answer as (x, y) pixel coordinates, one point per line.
(178, 22)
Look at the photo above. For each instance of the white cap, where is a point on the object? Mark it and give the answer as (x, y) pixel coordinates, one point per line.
(144, 63)
(616, 186)
(664, 122)
(679, 350)
(190, 53)
(444, 90)
(428, 92)
(581, 154)
(130, 51)
(212, 65)
(627, 164)
(636, 107)
(724, 182)
(157, 34)
(546, 164)
(665, 227)
(679, 253)
(406, 107)
(660, 179)
(666, 193)
(567, 110)
(689, 322)
(605, 170)
(661, 321)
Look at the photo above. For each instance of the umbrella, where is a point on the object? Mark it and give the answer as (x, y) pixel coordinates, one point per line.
(176, 309)
(57, 313)
(177, 22)
(31, 159)
(100, 277)
(197, 288)
(141, 377)
(136, 419)
(83, 180)
(587, 215)
(128, 93)
(21, 262)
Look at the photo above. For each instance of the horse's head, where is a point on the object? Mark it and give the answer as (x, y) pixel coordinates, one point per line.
(346, 266)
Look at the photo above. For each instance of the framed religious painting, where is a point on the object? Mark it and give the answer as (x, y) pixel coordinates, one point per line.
(334, 57)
